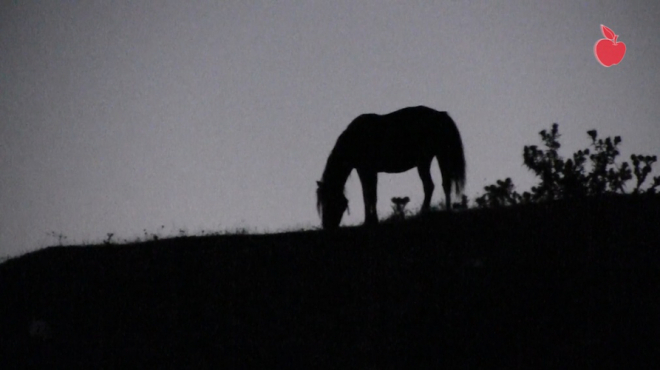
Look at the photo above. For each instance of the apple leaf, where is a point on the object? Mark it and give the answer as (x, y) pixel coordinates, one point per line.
(608, 33)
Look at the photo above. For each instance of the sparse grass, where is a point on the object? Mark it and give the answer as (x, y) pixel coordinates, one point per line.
(111, 239)
(58, 236)
(510, 287)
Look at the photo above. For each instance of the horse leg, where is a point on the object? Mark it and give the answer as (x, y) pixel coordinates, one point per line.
(446, 186)
(369, 182)
(424, 171)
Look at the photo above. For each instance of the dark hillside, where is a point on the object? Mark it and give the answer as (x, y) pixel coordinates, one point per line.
(550, 285)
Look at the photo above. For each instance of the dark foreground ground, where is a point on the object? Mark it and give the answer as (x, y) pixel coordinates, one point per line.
(556, 285)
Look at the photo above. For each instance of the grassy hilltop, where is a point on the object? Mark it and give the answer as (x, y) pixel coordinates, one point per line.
(554, 284)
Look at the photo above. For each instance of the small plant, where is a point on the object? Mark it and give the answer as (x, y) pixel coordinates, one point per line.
(502, 193)
(108, 240)
(59, 236)
(399, 207)
(152, 236)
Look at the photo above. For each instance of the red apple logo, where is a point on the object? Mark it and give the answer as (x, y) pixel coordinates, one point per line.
(608, 51)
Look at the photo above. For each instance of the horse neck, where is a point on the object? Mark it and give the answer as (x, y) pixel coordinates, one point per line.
(336, 173)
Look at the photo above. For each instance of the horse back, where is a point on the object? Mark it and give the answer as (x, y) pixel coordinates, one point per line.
(393, 142)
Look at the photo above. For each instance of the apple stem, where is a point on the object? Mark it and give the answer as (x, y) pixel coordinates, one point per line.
(615, 37)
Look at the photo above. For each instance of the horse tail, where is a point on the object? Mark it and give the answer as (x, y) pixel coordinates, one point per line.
(451, 155)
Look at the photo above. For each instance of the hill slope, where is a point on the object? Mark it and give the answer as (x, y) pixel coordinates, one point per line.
(551, 285)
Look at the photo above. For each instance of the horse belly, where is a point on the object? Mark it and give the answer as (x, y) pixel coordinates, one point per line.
(396, 164)
(396, 169)
(394, 151)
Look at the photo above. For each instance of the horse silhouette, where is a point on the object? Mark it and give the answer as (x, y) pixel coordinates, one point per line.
(391, 143)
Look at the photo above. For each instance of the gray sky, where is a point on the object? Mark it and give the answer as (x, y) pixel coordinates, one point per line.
(120, 116)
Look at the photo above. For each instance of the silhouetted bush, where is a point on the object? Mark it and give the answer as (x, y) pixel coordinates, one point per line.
(570, 178)
(502, 193)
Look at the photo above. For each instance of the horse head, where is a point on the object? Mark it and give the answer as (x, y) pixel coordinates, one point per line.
(331, 203)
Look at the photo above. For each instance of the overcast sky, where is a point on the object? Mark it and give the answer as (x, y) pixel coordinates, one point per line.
(119, 116)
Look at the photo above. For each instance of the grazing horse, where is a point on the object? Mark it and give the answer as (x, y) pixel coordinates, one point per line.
(391, 143)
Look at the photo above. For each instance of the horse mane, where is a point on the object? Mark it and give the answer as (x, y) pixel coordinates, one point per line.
(336, 172)
(319, 205)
